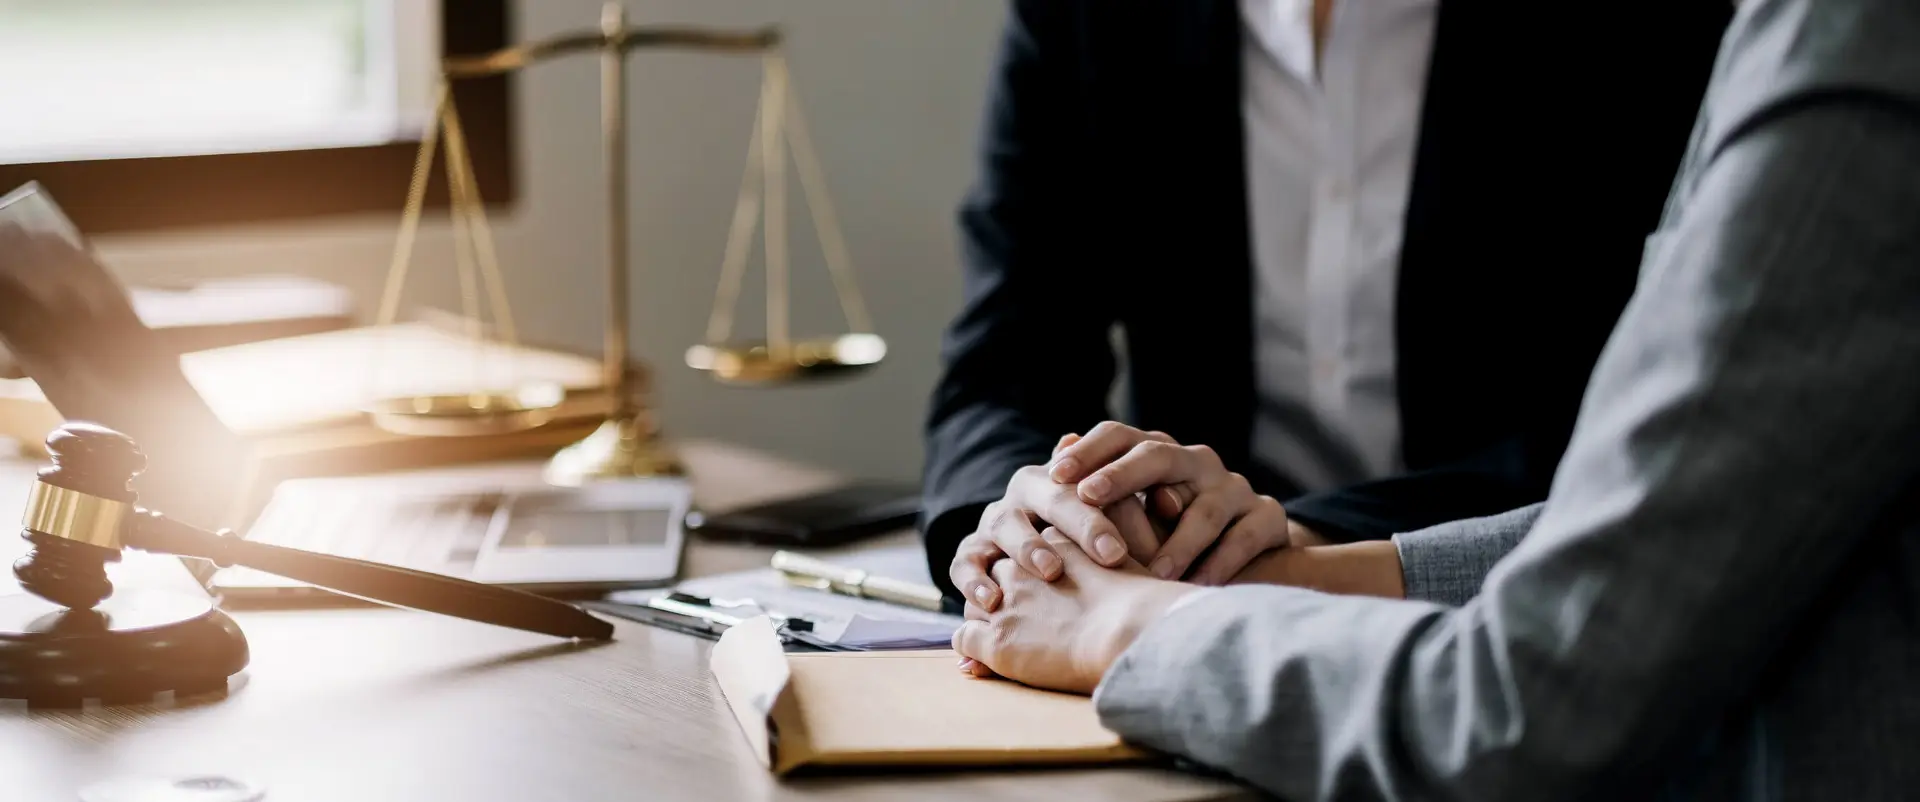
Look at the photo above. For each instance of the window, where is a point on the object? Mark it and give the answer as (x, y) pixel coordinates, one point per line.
(141, 114)
(134, 78)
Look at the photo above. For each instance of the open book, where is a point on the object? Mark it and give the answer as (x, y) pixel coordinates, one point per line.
(298, 402)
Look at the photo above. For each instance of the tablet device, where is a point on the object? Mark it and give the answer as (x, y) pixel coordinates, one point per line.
(836, 516)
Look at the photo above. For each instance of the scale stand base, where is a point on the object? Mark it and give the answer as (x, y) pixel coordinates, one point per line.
(135, 646)
(624, 447)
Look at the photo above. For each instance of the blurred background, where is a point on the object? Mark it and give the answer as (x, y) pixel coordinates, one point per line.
(892, 90)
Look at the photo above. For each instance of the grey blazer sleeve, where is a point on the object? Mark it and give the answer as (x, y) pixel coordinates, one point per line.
(1754, 415)
(1448, 563)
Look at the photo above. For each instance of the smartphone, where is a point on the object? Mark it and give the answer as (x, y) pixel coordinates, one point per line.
(833, 517)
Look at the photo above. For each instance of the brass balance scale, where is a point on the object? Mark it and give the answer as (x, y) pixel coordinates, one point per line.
(627, 443)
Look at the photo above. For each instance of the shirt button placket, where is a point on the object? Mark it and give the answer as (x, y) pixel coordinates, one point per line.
(1332, 236)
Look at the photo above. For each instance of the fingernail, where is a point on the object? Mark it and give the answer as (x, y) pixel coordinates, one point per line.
(966, 664)
(1109, 548)
(1064, 469)
(982, 595)
(1046, 562)
(1095, 487)
(1173, 499)
(1163, 568)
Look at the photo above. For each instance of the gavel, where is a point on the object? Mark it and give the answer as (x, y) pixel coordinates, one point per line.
(81, 514)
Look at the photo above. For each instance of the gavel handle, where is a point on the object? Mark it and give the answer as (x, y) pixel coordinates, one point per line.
(401, 587)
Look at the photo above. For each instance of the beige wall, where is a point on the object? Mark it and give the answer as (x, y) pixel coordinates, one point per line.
(892, 88)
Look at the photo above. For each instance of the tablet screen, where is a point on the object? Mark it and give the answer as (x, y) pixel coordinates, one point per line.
(560, 528)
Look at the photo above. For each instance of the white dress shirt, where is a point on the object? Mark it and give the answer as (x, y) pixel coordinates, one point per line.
(1330, 149)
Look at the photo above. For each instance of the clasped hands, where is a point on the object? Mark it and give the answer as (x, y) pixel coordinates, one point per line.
(1080, 555)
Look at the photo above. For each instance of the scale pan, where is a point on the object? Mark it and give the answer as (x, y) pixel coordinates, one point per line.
(804, 360)
(469, 415)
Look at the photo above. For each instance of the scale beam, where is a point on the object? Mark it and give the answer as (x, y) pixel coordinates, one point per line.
(519, 57)
(626, 444)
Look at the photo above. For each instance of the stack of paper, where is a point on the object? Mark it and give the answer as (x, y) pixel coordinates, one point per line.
(222, 312)
(863, 632)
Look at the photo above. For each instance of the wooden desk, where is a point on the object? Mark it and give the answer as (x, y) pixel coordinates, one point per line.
(378, 705)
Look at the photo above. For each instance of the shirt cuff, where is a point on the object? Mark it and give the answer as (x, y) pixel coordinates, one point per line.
(1119, 665)
(1113, 682)
(1140, 696)
(1448, 563)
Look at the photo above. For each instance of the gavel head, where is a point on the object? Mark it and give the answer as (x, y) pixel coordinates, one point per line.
(78, 514)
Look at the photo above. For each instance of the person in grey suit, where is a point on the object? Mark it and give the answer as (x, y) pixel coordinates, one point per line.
(1720, 600)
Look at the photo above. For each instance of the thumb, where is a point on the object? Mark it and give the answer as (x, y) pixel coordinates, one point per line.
(1076, 565)
(974, 640)
(1169, 501)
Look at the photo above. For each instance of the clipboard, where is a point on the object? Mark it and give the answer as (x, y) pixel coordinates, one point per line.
(692, 615)
(821, 711)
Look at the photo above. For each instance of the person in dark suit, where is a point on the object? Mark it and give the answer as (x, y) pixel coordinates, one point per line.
(1366, 252)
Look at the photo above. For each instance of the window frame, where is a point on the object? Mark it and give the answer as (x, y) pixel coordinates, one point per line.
(147, 194)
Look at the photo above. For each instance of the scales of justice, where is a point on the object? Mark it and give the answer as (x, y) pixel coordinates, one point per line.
(627, 444)
(70, 637)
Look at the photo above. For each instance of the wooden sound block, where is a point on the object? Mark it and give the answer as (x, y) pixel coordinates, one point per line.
(136, 645)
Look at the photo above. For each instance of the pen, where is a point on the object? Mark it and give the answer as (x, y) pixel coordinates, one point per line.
(808, 572)
(695, 615)
(699, 611)
(670, 621)
(792, 623)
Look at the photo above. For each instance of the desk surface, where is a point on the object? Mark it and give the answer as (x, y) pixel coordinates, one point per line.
(378, 705)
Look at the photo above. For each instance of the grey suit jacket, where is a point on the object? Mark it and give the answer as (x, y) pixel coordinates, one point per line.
(1721, 598)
